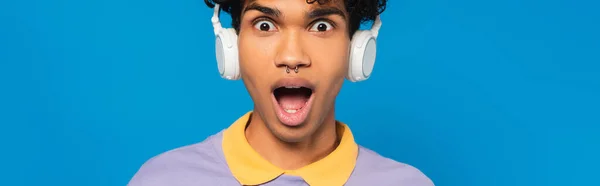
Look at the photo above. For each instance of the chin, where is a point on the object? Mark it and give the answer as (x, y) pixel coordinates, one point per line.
(293, 134)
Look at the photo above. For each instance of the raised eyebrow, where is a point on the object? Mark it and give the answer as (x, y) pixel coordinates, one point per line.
(265, 10)
(325, 11)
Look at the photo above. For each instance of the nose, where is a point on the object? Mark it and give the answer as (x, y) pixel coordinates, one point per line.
(291, 53)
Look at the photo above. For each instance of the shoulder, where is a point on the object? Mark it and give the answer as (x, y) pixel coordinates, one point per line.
(372, 167)
(186, 165)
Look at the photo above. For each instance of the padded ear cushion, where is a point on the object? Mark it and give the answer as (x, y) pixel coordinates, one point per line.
(362, 56)
(227, 54)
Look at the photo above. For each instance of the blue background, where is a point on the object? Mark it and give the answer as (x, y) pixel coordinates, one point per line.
(503, 92)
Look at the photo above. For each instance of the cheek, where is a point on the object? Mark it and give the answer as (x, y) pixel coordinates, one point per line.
(330, 59)
(255, 62)
(252, 55)
(257, 51)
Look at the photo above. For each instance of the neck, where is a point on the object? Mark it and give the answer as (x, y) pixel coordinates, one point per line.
(292, 155)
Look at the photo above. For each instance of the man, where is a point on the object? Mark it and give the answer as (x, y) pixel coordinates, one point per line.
(293, 57)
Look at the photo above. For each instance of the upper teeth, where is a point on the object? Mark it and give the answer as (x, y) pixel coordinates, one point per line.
(292, 86)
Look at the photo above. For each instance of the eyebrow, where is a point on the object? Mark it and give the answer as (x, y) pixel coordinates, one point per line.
(322, 12)
(265, 10)
(315, 13)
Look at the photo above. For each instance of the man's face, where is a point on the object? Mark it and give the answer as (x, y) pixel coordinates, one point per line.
(275, 35)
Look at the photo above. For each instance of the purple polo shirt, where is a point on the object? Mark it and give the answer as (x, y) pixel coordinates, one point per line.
(206, 163)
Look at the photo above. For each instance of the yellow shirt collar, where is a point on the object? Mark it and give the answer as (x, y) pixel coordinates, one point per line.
(249, 168)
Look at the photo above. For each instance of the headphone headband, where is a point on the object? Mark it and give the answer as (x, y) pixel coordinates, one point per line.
(376, 26)
(215, 19)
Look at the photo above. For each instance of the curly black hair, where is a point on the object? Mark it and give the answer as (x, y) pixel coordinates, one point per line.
(360, 11)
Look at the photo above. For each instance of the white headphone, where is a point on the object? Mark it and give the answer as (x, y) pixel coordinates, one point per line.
(362, 53)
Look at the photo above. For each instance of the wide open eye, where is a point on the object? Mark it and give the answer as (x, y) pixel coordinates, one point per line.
(321, 26)
(264, 25)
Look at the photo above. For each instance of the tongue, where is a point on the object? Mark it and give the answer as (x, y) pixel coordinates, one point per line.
(292, 101)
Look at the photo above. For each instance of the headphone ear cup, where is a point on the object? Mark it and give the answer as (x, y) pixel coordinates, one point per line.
(362, 56)
(227, 54)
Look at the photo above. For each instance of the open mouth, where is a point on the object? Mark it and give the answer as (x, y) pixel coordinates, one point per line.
(292, 99)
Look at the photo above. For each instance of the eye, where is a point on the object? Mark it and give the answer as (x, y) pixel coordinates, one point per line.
(321, 26)
(264, 25)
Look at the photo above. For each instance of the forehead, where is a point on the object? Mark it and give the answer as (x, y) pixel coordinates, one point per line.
(309, 4)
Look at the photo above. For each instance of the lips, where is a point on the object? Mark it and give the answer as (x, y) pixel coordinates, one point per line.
(292, 99)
